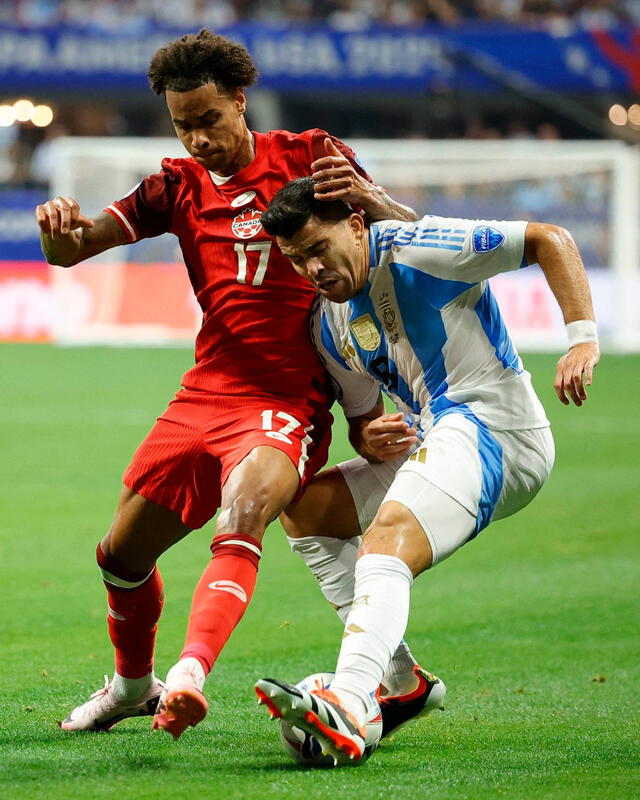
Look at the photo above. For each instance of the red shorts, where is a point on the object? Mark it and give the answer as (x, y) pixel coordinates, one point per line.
(187, 456)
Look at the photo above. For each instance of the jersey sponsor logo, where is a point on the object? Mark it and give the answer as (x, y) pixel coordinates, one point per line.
(247, 224)
(242, 199)
(231, 587)
(365, 332)
(486, 239)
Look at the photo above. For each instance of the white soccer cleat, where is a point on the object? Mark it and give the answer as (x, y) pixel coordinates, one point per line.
(319, 714)
(104, 709)
(182, 702)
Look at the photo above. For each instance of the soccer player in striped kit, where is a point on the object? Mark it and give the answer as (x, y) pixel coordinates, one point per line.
(406, 308)
(251, 423)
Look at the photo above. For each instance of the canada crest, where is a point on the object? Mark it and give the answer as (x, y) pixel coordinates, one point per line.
(247, 224)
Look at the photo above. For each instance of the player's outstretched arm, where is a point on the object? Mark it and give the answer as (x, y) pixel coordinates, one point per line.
(379, 437)
(334, 178)
(555, 251)
(67, 236)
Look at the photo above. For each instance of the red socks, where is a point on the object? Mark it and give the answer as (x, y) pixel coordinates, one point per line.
(134, 610)
(221, 596)
(219, 602)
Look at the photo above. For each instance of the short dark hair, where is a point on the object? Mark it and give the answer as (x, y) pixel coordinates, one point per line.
(197, 59)
(294, 204)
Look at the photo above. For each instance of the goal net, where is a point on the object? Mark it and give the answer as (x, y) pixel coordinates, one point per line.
(140, 294)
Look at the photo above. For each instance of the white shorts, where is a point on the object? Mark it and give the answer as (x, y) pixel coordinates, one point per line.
(461, 477)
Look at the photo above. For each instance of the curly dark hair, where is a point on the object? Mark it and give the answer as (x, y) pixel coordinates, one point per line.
(292, 206)
(196, 59)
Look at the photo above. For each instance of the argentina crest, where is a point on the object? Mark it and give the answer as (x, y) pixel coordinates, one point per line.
(365, 332)
(388, 318)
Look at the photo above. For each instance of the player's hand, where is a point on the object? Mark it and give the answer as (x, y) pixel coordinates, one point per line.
(575, 372)
(388, 437)
(334, 178)
(60, 217)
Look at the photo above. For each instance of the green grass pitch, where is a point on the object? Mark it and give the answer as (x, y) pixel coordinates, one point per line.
(533, 626)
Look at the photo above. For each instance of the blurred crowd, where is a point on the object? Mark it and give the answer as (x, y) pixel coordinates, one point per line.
(25, 158)
(26, 152)
(132, 15)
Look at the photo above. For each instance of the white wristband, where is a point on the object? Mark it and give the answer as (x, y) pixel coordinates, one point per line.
(581, 331)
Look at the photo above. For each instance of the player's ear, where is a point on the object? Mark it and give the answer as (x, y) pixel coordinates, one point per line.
(241, 100)
(356, 223)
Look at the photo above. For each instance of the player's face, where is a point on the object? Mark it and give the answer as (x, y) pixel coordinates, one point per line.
(211, 126)
(332, 255)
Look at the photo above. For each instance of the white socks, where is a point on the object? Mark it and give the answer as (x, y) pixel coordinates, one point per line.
(374, 629)
(130, 688)
(333, 562)
(187, 669)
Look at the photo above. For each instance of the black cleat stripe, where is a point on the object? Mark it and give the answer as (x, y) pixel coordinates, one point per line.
(332, 720)
(286, 686)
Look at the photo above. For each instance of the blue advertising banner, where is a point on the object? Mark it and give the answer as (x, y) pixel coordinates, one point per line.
(19, 236)
(313, 58)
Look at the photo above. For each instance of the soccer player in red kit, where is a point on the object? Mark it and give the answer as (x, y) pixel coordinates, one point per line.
(250, 424)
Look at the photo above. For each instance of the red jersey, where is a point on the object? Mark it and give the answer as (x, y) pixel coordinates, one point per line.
(254, 337)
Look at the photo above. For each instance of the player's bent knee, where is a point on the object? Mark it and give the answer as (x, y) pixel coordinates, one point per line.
(443, 521)
(250, 511)
(256, 491)
(396, 532)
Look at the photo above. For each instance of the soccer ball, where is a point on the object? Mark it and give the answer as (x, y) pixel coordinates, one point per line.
(304, 748)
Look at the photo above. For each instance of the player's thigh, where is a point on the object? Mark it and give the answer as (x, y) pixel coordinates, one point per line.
(271, 448)
(141, 531)
(418, 523)
(256, 491)
(528, 457)
(367, 485)
(326, 508)
(451, 483)
(464, 475)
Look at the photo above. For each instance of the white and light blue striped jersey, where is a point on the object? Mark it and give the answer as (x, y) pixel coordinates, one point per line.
(426, 328)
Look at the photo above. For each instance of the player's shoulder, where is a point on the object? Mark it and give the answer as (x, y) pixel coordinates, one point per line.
(290, 136)
(404, 233)
(286, 140)
(329, 316)
(179, 167)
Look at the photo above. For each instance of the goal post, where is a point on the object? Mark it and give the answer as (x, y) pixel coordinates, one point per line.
(140, 294)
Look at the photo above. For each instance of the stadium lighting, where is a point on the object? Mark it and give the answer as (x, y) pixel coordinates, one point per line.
(7, 116)
(634, 115)
(42, 116)
(618, 114)
(23, 109)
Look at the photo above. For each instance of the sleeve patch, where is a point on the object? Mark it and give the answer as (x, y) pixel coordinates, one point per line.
(486, 239)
